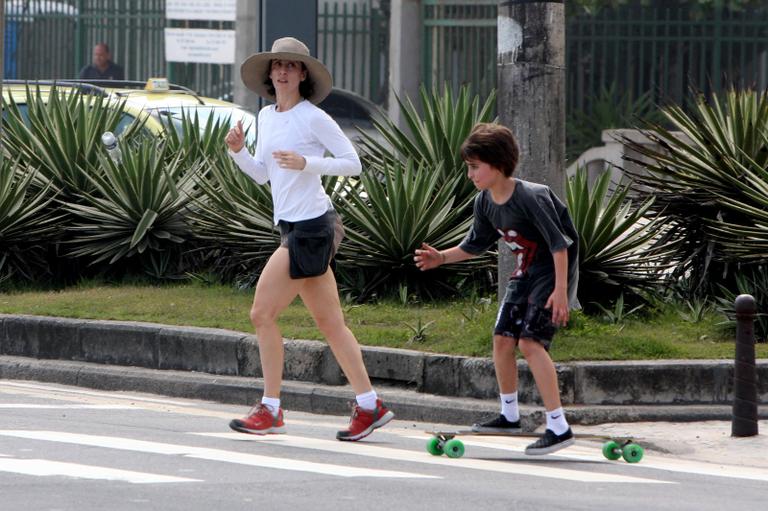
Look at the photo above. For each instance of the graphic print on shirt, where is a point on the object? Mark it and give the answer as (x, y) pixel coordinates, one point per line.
(523, 250)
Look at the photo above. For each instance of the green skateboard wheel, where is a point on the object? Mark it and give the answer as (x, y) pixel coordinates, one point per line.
(454, 448)
(435, 446)
(632, 453)
(612, 450)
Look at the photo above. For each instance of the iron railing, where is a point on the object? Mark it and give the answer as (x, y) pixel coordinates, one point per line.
(459, 44)
(353, 43)
(53, 39)
(668, 51)
(665, 51)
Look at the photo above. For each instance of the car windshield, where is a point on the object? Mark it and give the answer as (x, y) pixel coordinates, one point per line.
(125, 119)
(220, 114)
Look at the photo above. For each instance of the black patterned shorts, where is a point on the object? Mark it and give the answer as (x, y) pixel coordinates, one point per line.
(525, 321)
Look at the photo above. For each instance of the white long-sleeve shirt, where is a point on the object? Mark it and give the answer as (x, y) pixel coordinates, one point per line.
(309, 131)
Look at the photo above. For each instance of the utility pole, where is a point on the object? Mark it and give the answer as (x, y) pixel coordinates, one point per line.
(247, 42)
(531, 94)
(2, 71)
(405, 54)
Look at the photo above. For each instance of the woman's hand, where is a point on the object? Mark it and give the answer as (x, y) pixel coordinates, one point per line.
(428, 257)
(289, 160)
(235, 138)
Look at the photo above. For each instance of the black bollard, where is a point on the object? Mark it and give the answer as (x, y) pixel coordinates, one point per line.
(745, 374)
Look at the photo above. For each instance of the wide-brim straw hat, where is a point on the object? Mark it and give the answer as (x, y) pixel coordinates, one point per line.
(255, 69)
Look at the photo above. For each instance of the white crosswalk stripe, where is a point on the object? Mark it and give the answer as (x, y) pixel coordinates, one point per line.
(203, 453)
(582, 453)
(29, 406)
(36, 387)
(424, 458)
(36, 467)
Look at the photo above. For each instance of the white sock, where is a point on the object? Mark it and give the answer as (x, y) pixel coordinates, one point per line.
(556, 421)
(509, 408)
(272, 404)
(367, 400)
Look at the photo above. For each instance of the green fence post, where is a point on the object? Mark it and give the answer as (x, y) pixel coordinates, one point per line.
(717, 51)
(79, 36)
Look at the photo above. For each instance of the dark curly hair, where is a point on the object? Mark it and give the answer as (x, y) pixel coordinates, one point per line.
(306, 87)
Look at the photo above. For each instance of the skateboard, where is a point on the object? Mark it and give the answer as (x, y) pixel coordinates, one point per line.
(444, 442)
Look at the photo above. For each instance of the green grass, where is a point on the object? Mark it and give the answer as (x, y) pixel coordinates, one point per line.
(459, 327)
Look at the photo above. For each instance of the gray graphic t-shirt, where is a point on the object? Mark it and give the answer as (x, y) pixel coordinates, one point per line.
(534, 222)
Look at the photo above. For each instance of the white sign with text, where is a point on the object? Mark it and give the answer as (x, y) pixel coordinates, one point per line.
(213, 10)
(200, 45)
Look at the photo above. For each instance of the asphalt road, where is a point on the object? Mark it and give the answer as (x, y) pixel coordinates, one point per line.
(65, 448)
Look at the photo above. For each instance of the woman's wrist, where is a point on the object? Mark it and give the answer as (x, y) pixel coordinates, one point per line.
(442, 257)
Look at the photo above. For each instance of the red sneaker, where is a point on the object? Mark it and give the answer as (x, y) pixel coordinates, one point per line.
(260, 421)
(363, 422)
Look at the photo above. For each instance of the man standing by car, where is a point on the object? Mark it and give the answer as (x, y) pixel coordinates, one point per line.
(102, 67)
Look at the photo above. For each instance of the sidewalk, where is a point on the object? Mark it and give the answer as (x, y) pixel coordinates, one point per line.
(708, 441)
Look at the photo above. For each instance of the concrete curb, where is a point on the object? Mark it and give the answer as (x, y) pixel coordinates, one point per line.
(219, 353)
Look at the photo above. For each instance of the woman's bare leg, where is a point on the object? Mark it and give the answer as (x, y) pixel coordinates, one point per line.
(275, 291)
(321, 296)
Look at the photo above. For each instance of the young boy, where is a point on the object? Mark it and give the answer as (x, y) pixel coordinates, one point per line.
(537, 228)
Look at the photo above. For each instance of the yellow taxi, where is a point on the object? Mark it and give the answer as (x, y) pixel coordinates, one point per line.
(161, 102)
(156, 102)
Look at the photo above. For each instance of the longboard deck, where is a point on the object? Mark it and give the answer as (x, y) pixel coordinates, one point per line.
(524, 434)
(614, 447)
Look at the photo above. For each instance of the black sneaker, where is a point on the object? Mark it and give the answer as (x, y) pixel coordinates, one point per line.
(550, 442)
(498, 424)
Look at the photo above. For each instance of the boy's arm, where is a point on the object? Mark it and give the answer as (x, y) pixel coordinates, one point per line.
(428, 257)
(558, 300)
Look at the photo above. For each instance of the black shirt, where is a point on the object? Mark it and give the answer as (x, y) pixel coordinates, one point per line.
(534, 222)
(113, 72)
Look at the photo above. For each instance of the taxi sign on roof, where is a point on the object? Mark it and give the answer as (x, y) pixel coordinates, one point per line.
(157, 85)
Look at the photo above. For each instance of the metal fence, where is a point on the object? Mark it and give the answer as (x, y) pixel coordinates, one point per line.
(353, 41)
(667, 51)
(48, 39)
(133, 31)
(38, 34)
(459, 44)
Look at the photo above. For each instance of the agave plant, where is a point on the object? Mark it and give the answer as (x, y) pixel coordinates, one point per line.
(136, 212)
(434, 138)
(27, 225)
(186, 135)
(752, 280)
(233, 219)
(711, 180)
(620, 250)
(388, 213)
(743, 242)
(60, 134)
(413, 191)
